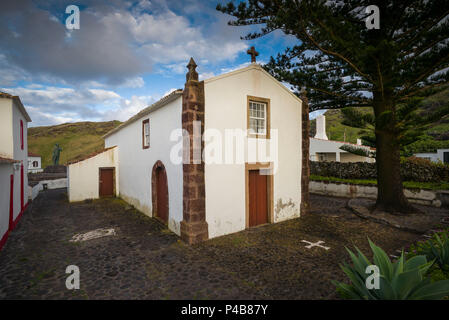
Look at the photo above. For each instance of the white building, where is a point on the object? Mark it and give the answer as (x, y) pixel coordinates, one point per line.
(34, 163)
(442, 155)
(323, 149)
(251, 170)
(13, 163)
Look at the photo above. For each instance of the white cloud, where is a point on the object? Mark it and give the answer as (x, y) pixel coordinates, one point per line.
(115, 44)
(128, 108)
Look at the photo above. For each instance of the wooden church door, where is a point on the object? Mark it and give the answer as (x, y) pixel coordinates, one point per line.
(106, 182)
(258, 198)
(162, 193)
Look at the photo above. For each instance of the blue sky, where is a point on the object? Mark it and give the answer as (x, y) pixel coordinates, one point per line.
(125, 56)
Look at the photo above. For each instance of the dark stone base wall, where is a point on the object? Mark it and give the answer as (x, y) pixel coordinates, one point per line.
(55, 169)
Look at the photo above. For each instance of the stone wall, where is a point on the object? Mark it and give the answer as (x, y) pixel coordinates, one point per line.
(411, 170)
(346, 190)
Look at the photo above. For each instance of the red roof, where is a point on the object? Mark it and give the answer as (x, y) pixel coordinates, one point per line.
(30, 154)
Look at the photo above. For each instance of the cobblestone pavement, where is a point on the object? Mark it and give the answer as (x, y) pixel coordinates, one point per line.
(146, 261)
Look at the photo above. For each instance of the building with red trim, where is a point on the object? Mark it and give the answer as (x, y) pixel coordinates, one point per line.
(13, 163)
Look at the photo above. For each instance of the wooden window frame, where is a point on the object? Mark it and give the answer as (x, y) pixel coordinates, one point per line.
(267, 119)
(114, 194)
(143, 134)
(270, 190)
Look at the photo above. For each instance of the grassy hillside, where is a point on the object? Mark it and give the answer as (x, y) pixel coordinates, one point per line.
(436, 136)
(76, 140)
(335, 130)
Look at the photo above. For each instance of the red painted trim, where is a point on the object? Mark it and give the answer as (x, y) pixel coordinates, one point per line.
(12, 225)
(21, 134)
(20, 215)
(21, 187)
(3, 240)
(11, 203)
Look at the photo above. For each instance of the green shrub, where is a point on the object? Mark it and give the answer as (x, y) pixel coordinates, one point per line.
(404, 279)
(436, 249)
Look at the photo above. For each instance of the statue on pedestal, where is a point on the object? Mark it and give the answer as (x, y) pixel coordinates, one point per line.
(56, 151)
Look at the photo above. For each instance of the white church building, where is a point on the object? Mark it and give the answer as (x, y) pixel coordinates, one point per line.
(323, 149)
(214, 158)
(13, 163)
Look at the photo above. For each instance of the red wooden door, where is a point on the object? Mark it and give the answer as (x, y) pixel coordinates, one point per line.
(162, 195)
(258, 198)
(106, 182)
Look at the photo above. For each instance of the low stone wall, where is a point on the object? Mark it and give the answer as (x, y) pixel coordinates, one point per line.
(45, 176)
(54, 184)
(33, 191)
(341, 189)
(36, 187)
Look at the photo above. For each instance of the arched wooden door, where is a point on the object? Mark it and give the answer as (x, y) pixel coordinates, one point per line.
(160, 192)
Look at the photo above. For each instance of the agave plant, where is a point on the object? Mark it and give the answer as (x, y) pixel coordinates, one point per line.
(437, 249)
(403, 279)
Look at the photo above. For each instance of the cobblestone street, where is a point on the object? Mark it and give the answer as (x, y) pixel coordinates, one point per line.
(146, 261)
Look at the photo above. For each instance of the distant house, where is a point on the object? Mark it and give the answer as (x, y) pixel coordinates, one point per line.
(323, 149)
(13, 163)
(34, 163)
(442, 155)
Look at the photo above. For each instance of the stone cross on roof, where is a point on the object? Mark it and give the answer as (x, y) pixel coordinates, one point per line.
(253, 54)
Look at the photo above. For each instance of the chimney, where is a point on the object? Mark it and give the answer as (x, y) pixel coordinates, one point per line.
(321, 127)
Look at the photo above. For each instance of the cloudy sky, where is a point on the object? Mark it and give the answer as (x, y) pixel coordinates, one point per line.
(125, 56)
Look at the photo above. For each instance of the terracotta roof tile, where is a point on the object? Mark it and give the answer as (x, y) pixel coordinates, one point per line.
(8, 160)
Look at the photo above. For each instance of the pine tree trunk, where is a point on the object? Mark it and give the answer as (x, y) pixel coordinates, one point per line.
(390, 195)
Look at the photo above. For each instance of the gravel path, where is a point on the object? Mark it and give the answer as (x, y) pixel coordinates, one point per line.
(146, 261)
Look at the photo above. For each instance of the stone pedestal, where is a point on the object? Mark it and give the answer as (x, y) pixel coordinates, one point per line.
(305, 172)
(194, 227)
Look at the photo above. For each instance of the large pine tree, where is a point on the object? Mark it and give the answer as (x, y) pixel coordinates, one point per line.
(342, 63)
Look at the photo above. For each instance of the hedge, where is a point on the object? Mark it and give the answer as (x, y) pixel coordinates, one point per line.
(412, 169)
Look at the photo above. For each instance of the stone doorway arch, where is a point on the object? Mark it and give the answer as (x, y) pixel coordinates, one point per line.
(159, 192)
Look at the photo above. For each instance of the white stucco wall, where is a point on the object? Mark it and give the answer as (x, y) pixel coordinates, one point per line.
(136, 163)
(83, 176)
(418, 196)
(435, 157)
(6, 133)
(5, 176)
(22, 156)
(226, 108)
(31, 159)
(330, 150)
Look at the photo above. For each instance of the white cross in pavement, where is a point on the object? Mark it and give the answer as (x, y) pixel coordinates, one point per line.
(316, 244)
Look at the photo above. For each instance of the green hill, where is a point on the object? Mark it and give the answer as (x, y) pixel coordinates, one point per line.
(436, 136)
(335, 130)
(76, 140)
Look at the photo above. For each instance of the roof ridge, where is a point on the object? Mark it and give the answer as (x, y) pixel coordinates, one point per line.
(156, 105)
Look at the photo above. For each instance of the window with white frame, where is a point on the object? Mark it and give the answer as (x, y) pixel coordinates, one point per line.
(146, 133)
(257, 118)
